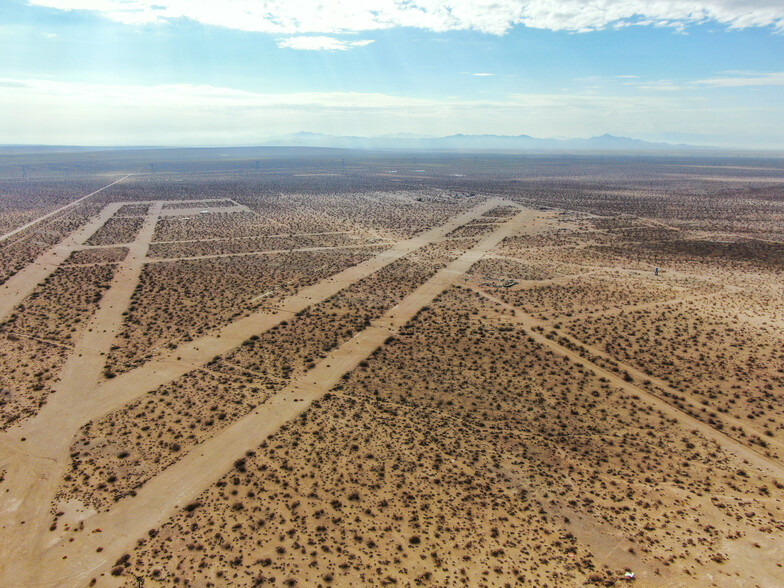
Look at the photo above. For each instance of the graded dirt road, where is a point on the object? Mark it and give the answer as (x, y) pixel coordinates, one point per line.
(81, 373)
(738, 449)
(34, 466)
(113, 394)
(75, 562)
(22, 283)
(59, 210)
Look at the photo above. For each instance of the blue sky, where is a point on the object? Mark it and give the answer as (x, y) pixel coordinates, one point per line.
(171, 72)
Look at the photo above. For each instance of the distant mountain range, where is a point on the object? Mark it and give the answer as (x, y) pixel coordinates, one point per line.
(475, 143)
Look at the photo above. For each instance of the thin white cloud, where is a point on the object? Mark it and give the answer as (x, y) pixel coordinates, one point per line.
(483, 75)
(745, 79)
(655, 86)
(311, 43)
(488, 16)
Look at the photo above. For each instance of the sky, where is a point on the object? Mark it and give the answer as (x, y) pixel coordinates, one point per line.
(237, 72)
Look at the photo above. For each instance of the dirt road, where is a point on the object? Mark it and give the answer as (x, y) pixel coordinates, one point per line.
(21, 284)
(75, 562)
(81, 373)
(59, 210)
(34, 466)
(736, 448)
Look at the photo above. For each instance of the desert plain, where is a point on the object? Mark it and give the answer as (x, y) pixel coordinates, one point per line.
(239, 368)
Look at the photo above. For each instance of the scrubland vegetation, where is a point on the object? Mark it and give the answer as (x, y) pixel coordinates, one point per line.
(598, 394)
(179, 301)
(39, 333)
(21, 249)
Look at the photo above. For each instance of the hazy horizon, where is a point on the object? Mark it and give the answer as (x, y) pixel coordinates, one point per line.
(490, 144)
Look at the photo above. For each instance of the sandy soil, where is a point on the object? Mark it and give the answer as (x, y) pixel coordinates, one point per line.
(31, 465)
(59, 210)
(436, 387)
(21, 284)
